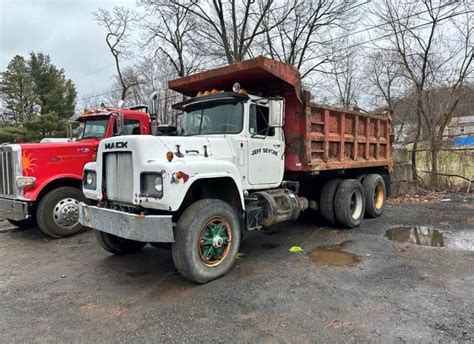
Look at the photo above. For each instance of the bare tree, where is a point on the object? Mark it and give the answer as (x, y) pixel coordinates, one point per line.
(426, 53)
(295, 32)
(118, 23)
(229, 28)
(345, 73)
(384, 73)
(171, 29)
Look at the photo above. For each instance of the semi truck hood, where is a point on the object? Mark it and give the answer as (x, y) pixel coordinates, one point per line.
(37, 158)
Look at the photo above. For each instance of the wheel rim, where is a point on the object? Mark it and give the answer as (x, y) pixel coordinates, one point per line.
(66, 213)
(356, 204)
(379, 196)
(215, 238)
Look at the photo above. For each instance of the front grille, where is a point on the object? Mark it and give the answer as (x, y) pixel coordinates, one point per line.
(118, 175)
(7, 172)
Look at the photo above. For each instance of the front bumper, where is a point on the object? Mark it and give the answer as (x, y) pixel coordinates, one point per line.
(13, 209)
(145, 228)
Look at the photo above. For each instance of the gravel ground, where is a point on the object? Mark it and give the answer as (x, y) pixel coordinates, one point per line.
(347, 285)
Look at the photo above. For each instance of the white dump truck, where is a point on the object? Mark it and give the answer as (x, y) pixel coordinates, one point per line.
(251, 151)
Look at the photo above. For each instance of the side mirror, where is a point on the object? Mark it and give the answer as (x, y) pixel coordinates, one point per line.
(119, 122)
(69, 131)
(277, 113)
(152, 103)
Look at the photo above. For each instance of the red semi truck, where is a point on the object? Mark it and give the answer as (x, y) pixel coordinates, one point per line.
(41, 182)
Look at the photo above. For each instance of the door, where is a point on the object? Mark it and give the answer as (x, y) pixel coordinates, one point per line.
(265, 148)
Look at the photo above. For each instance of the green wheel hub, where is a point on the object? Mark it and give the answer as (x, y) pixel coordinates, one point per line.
(215, 239)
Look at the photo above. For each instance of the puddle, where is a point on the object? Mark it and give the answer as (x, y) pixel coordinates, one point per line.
(269, 246)
(428, 236)
(334, 255)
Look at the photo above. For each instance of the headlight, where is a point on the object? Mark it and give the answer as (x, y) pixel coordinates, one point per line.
(89, 181)
(21, 182)
(152, 185)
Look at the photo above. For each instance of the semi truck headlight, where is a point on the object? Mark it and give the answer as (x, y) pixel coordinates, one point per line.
(90, 180)
(21, 182)
(152, 185)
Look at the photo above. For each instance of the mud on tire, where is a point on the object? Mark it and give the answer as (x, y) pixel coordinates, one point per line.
(207, 239)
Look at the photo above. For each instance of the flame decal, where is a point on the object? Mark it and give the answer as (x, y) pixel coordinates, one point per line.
(28, 163)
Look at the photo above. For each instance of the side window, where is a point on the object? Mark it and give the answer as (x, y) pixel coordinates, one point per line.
(259, 116)
(131, 127)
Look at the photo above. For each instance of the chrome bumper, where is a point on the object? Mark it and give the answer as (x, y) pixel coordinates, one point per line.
(146, 228)
(13, 209)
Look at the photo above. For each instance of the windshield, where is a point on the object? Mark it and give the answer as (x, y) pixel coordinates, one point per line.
(92, 128)
(213, 117)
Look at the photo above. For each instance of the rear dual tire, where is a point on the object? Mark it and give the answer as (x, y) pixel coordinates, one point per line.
(349, 203)
(327, 200)
(375, 195)
(344, 202)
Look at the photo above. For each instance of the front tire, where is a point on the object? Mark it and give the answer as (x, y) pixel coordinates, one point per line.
(58, 212)
(24, 224)
(116, 245)
(207, 239)
(349, 203)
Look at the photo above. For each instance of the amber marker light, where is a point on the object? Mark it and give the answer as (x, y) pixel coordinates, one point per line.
(169, 156)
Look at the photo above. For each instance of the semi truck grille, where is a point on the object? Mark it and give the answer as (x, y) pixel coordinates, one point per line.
(7, 172)
(118, 174)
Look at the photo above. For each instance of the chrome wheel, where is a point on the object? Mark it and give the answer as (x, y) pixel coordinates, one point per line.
(66, 213)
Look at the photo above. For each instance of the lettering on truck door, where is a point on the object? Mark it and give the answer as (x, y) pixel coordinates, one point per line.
(265, 148)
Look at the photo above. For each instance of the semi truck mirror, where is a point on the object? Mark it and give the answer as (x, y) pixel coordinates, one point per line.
(277, 113)
(69, 131)
(118, 127)
(152, 103)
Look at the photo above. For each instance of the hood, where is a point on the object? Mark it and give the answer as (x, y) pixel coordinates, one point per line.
(47, 159)
(156, 147)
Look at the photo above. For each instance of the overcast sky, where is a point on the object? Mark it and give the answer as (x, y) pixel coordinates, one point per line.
(64, 29)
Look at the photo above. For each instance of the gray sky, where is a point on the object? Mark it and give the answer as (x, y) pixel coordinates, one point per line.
(64, 29)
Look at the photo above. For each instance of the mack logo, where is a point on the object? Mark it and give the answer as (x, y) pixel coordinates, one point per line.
(113, 145)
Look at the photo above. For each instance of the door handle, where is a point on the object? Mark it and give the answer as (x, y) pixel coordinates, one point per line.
(276, 145)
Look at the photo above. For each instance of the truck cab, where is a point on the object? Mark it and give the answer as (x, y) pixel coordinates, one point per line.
(41, 182)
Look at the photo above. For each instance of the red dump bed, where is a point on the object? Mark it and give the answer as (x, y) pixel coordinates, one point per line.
(317, 137)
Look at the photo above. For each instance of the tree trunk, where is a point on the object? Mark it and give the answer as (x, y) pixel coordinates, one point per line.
(415, 147)
(434, 166)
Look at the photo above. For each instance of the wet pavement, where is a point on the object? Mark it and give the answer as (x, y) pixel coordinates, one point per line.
(334, 255)
(405, 277)
(427, 236)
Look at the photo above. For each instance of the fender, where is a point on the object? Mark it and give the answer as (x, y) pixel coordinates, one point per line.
(33, 194)
(175, 190)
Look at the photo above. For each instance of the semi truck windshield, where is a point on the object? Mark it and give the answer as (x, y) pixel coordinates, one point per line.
(93, 128)
(213, 117)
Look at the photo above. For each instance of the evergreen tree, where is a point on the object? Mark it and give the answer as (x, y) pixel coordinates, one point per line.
(17, 92)
(55, 92)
